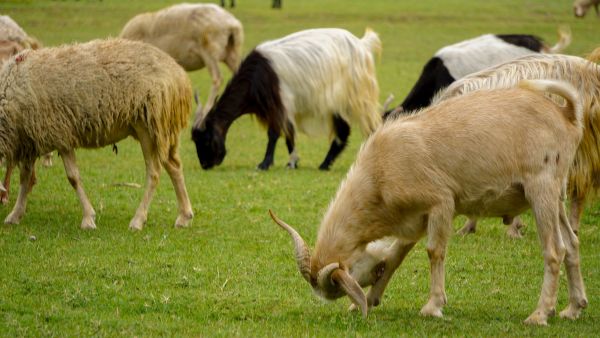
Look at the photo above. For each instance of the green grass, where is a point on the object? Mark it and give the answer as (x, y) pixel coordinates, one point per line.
(232, 272)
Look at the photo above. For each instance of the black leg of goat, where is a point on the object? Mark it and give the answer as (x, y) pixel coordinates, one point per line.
(342, 131)
(289, 142)
(270, 153)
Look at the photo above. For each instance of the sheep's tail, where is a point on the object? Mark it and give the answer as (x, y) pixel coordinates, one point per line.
(234, 47)
(372, 42)
(564, 40)
(574, 108)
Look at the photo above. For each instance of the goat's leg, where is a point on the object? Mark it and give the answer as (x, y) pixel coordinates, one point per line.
(26, 170)
(543, 197)
(47, 160)
(174, 168)
(577, 207)
(577, 297)
(289, 142)
(89, 215)
(398, 253)
(215, 75)
(342, 131)
(470, 227)
(270, 152)
(152, 175)
(439, 229)
(514, 229)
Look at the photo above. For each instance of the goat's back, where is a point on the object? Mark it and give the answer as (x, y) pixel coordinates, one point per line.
(480, 148)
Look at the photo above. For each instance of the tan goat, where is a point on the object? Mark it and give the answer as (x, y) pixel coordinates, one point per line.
(473, 155)
(582, 74)
(195, 35)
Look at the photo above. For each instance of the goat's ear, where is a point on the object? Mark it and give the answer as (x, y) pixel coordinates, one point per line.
(199, 116)
(387, 102)
(352, 289)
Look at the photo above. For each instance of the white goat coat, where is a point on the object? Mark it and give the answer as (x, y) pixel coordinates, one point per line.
(326, 71)
(470, 56)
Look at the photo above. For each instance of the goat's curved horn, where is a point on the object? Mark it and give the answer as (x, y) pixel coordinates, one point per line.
(302, 250)
(387, 102)
(334, 276)
(199, 116)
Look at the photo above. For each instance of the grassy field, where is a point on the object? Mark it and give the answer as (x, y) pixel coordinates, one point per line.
(232, 272)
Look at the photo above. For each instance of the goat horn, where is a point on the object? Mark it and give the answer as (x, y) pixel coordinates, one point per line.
(387, 102)
(352, 289)
(302, 250)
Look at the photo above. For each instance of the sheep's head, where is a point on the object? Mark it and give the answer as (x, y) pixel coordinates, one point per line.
(336, 280)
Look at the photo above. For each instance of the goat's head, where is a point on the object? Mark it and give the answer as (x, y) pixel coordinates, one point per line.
(208, 137)
(337, 279)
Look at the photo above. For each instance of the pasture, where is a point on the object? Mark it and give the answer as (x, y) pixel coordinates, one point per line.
(232, 273)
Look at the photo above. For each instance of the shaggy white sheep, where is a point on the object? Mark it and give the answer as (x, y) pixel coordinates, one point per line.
(91, 95)
(195, 35)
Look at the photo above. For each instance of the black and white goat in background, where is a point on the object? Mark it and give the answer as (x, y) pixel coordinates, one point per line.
(466, 57)
(317, 81)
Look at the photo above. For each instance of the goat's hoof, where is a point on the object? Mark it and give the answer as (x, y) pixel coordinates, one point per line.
(263, 166)
(466, 230)
(292, 165)
(47, 162)
(183, 221)
(537, 318)
(4, 198)
(514, 233)
(431, 311)
(324, 167)
(88, 224)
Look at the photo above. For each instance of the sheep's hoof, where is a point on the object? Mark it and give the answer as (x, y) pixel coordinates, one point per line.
(88, 223)
(136, 224)
(12, 218)
(514, 233)
(573, 310)
(538, 318)
(47, 161)
(183, 221)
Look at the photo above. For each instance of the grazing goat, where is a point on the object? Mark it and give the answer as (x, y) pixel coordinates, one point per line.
(13, 40)
(581, 7)
(91, 95)
(582, 74)
(195, 35)
(493, 153)
(466, 57)
(317, 81)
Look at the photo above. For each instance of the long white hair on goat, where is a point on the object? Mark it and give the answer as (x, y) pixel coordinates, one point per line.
(581, 73)
(315, 79)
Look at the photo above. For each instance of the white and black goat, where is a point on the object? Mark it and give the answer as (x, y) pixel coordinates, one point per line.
(466, 57)
(317, 81)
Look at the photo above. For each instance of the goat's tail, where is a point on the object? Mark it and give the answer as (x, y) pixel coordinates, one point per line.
(371, 41)
(564, 40)
(574, 107)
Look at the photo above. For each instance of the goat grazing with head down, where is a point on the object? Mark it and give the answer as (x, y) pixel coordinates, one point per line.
(195, 35)
(581, 73)
(415, 173)
(317, 81)
(466, 57)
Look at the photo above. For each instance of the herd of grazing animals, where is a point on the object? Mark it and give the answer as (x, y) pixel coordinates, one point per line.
(532, 112)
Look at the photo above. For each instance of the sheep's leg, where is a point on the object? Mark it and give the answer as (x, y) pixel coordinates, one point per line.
(514, 229)
(47, 160)
(577, 207)
(270, 152)
(398, 253)
(4, 194)
(342, 131)
(469, 228)
(174, 169)
(577, 297)
(152, 175)
(215, 74)
(439, 229)
(289, 142)
(89, 215)
(26, 171)
(543, 197)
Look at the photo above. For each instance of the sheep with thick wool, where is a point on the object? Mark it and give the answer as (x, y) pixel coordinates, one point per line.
(581, 73)
(91, 95)
(492, 153)
(317, 81)
(195, 35)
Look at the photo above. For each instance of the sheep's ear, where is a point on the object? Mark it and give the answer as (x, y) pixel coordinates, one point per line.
(352, 289)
